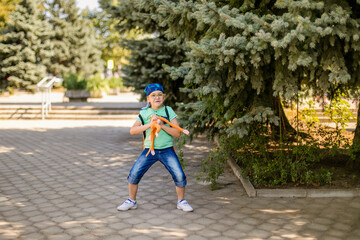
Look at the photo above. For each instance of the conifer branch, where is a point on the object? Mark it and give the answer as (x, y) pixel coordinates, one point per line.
(167, 5)
(261, 22)
(207, 5)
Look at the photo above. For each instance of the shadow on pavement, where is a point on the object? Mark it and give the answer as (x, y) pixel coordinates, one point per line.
(65, 181)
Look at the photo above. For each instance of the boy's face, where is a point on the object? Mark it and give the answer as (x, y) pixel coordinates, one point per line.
(156, 99)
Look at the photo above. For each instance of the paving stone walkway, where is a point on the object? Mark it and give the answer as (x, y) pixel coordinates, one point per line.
(64, 179)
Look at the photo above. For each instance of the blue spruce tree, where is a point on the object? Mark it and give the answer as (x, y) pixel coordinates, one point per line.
(24, 47)
(149, 54)
(244, 57)
(75, 47)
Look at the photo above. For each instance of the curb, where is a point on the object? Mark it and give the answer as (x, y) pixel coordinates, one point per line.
(283, 193)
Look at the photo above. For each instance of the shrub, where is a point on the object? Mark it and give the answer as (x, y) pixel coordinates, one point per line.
(74, 82)
(115, 82)
(268, 162)
(96, 85)
(338, 111)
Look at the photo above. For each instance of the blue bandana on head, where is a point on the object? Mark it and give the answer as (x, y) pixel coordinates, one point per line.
(153, 87)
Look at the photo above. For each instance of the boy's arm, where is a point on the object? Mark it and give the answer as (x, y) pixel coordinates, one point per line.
(171, 130)
(175, 125)
(138, 128)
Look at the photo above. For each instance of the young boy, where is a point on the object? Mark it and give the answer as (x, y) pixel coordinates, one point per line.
(163, 145)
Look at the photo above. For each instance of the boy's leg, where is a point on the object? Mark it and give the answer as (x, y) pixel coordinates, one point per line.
(139, 168)
(171, 162)
(180, 191)
(132, 191)
(182, 203)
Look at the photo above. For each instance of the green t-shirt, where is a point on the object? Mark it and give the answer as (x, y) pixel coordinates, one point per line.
(164, 140)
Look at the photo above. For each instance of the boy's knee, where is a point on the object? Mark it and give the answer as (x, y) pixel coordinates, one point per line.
(133, 179)
(181, 183)
(180, 179)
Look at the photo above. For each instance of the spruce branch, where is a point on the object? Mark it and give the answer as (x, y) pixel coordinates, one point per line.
(261, 22)
(209, 7)
(165, 3)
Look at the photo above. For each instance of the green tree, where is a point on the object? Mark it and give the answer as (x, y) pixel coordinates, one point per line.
(76, 49)
(244, 56)
(147, 54)
(145, 67)
(24, 47)
(6, 6)
(263, 50)
(110, 38)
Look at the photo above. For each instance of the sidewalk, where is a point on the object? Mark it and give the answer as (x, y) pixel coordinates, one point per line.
(58, 97)
(27, 106)
(64, 179)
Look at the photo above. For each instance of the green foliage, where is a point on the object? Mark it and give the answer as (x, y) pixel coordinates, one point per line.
(246, 53)
(10, 90)
(333, 140)
(338, 111)
(44, 38)
(339, 114)
(110, 38)
(24, 47)
(213, 166)
(115, 82)
(267, 163)
(6, 7)
(131, 15)
(75, 82)
(309, 115)
(149, 56)
(354, 154)
(75, 46)
(263, 48)
(243, 55)
(146, 66)
(180, 143)
(96, 85)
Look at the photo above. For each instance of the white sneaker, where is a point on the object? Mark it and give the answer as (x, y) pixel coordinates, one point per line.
(184, 205)
(128, 204)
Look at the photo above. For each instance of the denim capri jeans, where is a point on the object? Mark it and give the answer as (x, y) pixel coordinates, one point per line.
(167, 157)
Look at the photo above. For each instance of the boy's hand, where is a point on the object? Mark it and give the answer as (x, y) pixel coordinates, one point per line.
(186, 132)
(161, 123)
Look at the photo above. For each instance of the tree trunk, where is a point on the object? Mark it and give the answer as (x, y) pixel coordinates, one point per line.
(284, 126)
(355, 163)
(266, 98)
(357, 129)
